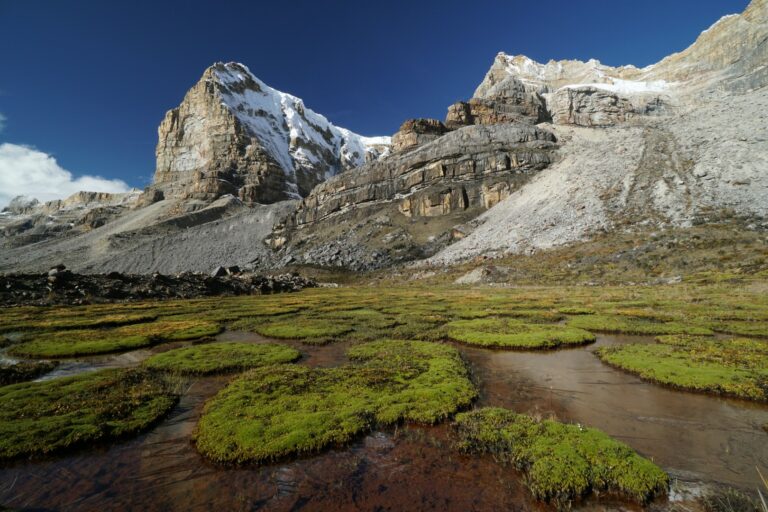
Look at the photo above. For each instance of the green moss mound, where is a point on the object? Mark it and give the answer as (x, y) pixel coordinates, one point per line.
(742, 328)
(75, 318)
(513, 334)
(73, 343)
(221, 358)
(280, 411)
(24, 371)
(634, 325)
(561, 462)
(736, 367)
(307, 330)
(39, 418)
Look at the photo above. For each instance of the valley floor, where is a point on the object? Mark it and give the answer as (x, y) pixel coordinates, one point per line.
(408, 397)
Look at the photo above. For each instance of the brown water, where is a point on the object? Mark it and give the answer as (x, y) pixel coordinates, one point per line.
(695, 437)
(692, 436)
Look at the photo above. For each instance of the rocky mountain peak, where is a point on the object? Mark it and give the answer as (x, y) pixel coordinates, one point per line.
(731, 54)
(234, 134)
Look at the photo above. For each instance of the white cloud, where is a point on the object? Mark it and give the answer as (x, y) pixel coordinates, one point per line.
(29, 172)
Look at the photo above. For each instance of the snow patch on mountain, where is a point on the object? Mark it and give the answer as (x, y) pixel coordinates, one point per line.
(619, 86)
(295, 136)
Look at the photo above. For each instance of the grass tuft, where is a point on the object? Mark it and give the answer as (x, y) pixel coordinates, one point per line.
(514, 334)
(280, 411)
(213, 358)
(734, 367)
(39, 418)
(634, 325)
(561, 462)
(73, 343)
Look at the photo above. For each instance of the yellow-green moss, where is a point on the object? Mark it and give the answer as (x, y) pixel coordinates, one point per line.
(73, 343)
(221, 358)
(734, 367)
(280, 411)
(561, 462)
(39, 418)
(514, 334)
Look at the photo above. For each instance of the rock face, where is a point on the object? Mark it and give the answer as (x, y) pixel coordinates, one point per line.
(730, 55)
(416, 132)
(233, 134)
(596, 107)
(405, 207)
(675, 144)
(468, 168)
(508, 101)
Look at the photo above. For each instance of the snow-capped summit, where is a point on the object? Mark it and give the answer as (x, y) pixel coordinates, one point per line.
(234, 134)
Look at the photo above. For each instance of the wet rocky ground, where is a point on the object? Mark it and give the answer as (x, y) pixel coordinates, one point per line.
(60, 286)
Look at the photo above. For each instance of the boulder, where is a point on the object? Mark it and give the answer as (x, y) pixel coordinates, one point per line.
(219, 272)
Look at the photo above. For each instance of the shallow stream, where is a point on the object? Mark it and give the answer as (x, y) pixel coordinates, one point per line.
(698, 439)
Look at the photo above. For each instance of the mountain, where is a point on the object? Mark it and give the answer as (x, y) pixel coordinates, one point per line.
(543, 155)
(25, 220)
(233, 134)
(675, 144)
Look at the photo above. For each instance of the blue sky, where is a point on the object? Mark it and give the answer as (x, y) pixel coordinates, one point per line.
(89, 81)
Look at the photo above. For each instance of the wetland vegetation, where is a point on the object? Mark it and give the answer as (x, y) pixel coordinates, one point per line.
(402, 364)
(213, 358)
(275, 412)
(561, 462)
(736, 367)
(24, 371)
(39, 418)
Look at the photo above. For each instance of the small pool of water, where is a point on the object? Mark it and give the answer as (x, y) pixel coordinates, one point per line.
(693, 436)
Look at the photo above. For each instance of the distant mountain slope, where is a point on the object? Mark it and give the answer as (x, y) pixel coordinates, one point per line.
(543, 155)
(678, 143)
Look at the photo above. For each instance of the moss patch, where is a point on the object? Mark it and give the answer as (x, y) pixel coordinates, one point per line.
(73, 343)
(221, 358)
(75, 318)
(513, 334)
(275, 412)
(736, 367)
(634, 325)
(42, 417)
(24, 371)
(561, 462)
(308, 330)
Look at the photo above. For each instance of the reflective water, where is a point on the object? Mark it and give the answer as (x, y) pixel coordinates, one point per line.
(695, 437)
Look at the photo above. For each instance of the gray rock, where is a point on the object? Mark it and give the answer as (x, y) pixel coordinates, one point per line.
(219, 272)
(592, 106)
(416, 132)
(232, 135)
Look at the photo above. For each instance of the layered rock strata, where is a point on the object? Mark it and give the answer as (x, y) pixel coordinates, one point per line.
(508, 101)
(416, 132)
(473, 167)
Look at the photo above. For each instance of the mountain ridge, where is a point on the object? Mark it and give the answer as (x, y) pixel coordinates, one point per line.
(234, 134)
(543, 155)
